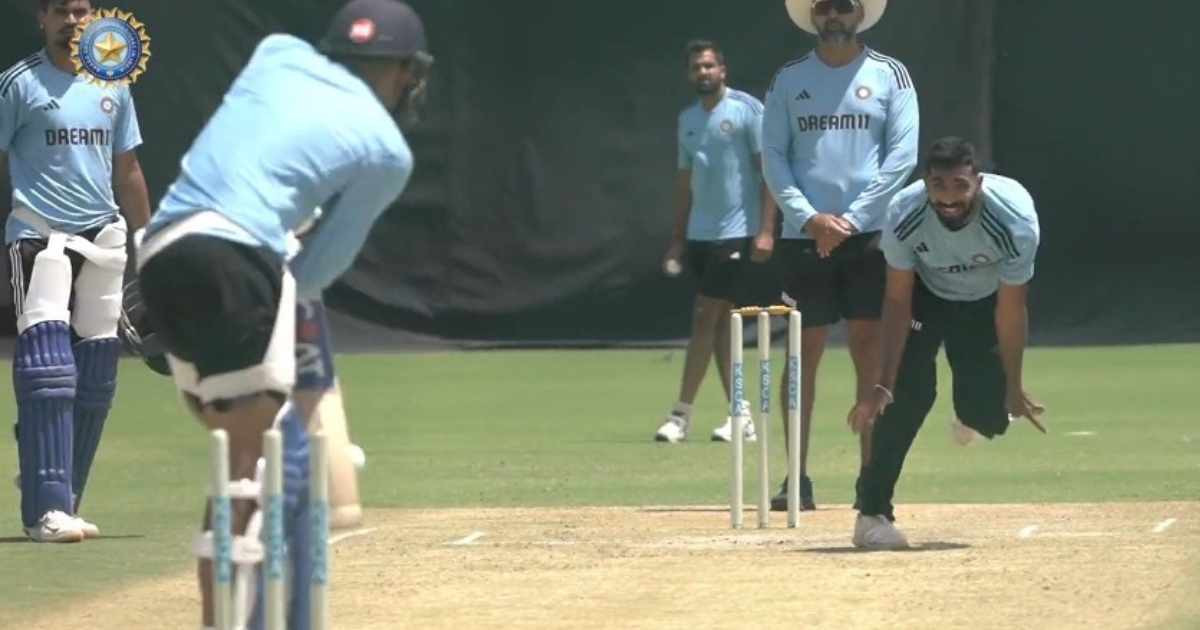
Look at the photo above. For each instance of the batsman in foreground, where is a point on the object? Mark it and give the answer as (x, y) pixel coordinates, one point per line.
(300, 128)
(960, 248)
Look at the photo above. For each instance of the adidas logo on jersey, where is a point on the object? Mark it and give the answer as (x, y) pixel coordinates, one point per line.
(922, 248)
(803, 95)
(51, 106)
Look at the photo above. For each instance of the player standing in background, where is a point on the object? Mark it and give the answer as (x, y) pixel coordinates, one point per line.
(720, 203)
(215, 274)
(66, 144)
(840, 138)
(960, 249)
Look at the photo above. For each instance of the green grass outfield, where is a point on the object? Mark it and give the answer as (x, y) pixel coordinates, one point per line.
(553, 428)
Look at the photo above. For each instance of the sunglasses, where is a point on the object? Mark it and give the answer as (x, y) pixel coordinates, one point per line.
(825, 7)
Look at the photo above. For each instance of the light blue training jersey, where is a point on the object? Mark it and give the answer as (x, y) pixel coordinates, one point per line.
(295, 132)
(61, 133)
(840, 141)
(719, 148)
(998, 244)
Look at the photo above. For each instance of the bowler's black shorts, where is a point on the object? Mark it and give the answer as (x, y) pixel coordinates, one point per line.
(720, 267)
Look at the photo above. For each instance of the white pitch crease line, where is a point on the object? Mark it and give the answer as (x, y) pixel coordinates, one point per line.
(469, 539)
(351, 534)
(1081, 433)
(1164, 526)
(1027, 532)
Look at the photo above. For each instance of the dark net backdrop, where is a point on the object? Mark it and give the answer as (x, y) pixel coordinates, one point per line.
(541, 204)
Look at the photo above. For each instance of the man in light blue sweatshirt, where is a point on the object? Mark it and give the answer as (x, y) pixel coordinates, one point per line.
(840, 136)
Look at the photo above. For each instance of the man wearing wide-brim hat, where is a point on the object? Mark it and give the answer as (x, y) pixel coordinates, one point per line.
(840, 138)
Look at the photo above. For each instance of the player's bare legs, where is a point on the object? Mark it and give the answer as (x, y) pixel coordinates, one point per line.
(865, 351)
(709, 341)
(721, 349)
(245, 421)
(710, 324)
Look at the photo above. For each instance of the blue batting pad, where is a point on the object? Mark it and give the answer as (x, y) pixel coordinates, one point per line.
(44, 383)
(96, 362)
(297, 519)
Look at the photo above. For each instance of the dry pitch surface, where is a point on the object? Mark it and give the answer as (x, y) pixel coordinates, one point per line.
(1092, 566)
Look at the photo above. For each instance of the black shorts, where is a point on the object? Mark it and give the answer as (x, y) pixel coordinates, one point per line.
(720, 267)
(214, 302)
(21, 257)
(847, 285)
(968, 330)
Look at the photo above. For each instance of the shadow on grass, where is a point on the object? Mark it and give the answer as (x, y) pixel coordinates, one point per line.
(667, 509)
(923, 547)
(18, 540)
(748, 509)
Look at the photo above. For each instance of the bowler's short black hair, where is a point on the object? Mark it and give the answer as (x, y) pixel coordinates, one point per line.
(951, 152)
(44, 5)
(697, 46)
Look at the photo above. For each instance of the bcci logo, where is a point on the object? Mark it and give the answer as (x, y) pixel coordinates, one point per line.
(111, 46)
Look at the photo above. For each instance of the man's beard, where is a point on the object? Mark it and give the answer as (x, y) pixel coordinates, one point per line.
(705, 88)
(63, 40)
(842, 35)
(959, 221)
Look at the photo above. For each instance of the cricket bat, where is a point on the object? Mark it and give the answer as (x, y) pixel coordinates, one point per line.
(345, 509)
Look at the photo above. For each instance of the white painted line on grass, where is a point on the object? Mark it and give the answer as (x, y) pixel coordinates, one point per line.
(1082, 433)
(1027, 532)
(1164, 526)
(351, 534)
(469, 539)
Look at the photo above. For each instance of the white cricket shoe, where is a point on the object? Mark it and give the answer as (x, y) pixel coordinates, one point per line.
(673, 430)
(89, 529)
(724, 433)
(963, 435)
(878, 533)
(55, 527)
(358, 457)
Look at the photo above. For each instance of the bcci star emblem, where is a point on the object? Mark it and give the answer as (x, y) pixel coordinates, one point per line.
(111, 46)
